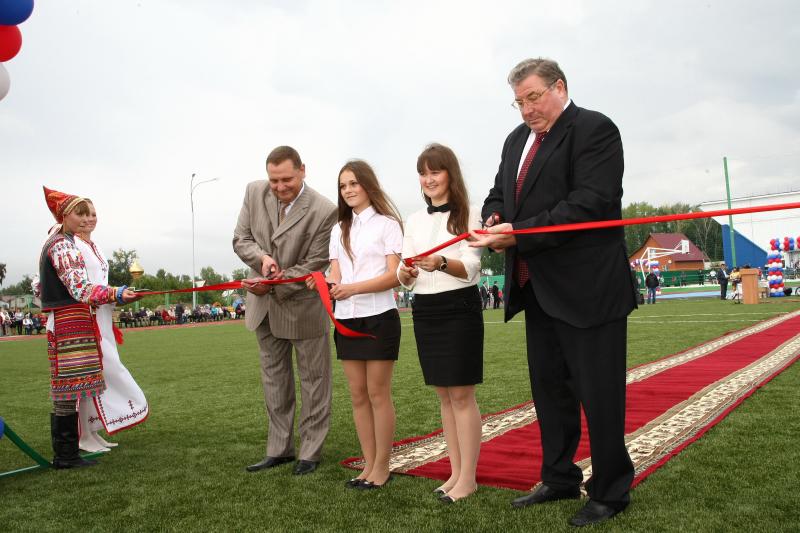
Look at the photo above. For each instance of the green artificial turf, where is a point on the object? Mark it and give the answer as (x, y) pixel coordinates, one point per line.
(183, 469)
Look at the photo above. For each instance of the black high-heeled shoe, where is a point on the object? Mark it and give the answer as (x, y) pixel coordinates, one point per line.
(369, 485)
(447, 500)
(439, 491)
(354, 483)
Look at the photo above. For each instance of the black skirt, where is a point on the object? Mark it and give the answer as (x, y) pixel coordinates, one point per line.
(448, 327)
(386, 345)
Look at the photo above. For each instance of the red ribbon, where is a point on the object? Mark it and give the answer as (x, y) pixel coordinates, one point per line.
(582, 226)
(319, 281)
(322, 286)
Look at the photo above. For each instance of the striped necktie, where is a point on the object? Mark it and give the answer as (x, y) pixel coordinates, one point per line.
(520, 266)
(282, 212)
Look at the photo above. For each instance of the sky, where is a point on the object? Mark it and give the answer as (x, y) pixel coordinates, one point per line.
(123, 101)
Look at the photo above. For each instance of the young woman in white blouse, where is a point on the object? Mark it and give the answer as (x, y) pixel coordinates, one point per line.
(363, 253)
(448, 324)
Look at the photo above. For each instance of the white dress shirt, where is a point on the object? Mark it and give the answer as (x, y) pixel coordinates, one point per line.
(423, 232)
(372, 238)
(529, 142)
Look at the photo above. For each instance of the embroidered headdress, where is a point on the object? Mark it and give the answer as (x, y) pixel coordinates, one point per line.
(60, 203)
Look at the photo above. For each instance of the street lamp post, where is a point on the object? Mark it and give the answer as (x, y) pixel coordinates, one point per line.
(192, 187)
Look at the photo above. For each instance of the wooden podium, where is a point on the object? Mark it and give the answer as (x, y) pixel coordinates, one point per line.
(749, 285)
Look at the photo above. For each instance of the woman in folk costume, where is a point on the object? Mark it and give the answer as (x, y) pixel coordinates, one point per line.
(122, 404)
(76, 362)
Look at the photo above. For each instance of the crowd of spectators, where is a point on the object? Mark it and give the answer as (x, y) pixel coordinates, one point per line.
(19, 322)
(179, 314)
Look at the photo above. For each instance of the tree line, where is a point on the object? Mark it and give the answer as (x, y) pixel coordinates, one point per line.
(706, 233)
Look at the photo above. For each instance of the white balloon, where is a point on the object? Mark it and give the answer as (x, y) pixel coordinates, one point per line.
(5, 81)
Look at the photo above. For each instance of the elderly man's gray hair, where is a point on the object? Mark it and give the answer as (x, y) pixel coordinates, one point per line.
(547, 69)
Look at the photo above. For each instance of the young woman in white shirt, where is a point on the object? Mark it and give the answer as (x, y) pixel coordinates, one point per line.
(363, 253)
(448, 322)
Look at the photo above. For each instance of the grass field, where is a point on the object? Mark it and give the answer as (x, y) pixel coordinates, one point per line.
(183, 468)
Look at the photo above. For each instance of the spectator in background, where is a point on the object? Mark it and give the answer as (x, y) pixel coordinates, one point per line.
(37, 323)
(484, 295)
(722, 277)
(736, 281)
(18, 317)
(27, 323)
(4, 322)
(179, 313)
(495, 296)
(652, 283)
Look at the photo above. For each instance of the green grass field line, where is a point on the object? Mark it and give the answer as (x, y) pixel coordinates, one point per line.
(182, 470)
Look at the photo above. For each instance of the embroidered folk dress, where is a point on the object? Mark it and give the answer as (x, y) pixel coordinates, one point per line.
(122, 404)
(72, 340)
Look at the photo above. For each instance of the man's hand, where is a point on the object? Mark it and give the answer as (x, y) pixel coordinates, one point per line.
(406, 274)
(494, 240)
(269, 267)
(429, 263)
(491, 220)
(253, 286)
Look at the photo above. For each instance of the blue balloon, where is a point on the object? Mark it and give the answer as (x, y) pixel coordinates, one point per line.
(13, 12)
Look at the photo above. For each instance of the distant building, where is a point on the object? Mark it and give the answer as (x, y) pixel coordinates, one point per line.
(752, 232)
(694, 260)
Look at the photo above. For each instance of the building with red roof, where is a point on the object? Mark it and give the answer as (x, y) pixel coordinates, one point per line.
(695, 259)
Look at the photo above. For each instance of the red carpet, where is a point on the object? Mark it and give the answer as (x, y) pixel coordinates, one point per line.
(670, 403)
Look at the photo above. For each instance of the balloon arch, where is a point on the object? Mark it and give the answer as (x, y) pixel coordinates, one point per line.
(12, 14)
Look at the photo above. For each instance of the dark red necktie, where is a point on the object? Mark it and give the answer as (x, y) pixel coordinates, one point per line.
(521, 266)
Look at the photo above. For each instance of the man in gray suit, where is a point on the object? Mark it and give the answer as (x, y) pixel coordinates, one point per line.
(283, 232)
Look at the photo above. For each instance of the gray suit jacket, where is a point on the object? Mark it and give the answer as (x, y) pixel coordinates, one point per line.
(299, 245)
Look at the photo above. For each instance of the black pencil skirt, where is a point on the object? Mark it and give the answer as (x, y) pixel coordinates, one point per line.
(448, 328)
(386, 345)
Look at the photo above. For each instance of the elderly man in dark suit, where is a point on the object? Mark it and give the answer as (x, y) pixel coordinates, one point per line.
(564, 164)
(283, 232)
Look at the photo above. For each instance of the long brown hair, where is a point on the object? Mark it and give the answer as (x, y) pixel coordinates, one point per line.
(439, 157)
(382, 204)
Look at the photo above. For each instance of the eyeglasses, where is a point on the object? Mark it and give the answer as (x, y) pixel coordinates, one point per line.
(531, 98)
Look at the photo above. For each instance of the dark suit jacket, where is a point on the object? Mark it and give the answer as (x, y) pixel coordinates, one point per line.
(579, 277)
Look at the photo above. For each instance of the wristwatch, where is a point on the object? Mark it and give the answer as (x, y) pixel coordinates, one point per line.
(443, 266)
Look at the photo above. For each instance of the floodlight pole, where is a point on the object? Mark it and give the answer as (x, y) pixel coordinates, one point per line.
(192, 187)
(730, 217)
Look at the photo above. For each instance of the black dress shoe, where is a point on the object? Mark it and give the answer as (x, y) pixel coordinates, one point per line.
(269, 462)
(546, 494)
(353, 483)
(439, 491)
(369, 485)
(592, 513)
(304, 467)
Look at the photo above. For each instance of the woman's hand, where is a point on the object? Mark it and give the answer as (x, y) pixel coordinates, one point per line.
(313, 286)
(343, 292)
(429, 263)
(407, 274)
(129, 296)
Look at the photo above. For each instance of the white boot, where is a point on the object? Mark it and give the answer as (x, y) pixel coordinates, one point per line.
(104, 442)
(89, 443)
